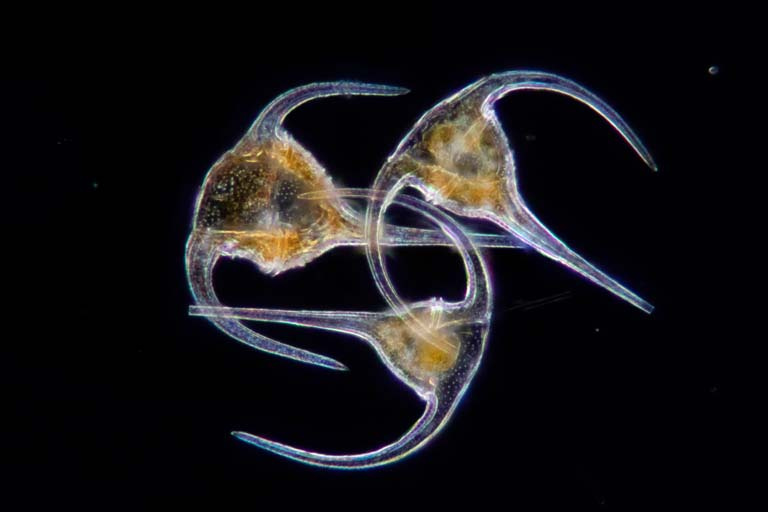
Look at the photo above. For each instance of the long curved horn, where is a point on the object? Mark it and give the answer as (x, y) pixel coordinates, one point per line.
(417, 435)
(502, 84)
(273, 115)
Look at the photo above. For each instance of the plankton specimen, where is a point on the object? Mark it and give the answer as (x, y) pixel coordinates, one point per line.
(268, 200)
(433, 346)
(458, 156)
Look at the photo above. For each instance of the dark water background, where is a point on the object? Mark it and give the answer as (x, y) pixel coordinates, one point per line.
(582, 401)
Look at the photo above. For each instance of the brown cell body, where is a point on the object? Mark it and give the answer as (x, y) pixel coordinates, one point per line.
(250, 205)
(424, 346)
(461, 157)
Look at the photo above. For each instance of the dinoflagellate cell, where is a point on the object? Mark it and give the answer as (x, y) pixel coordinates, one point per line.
(458, 156)
(434, 347)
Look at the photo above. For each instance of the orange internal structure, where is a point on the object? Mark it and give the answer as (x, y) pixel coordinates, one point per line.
(463, 161)
(418, 346)
(251, 200)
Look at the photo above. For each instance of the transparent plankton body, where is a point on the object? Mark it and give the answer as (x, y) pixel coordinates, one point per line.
(458, 156)
(268, 200)
(249, 206)
(434, 347)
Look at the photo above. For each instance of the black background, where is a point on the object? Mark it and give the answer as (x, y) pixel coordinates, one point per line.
(581, 401)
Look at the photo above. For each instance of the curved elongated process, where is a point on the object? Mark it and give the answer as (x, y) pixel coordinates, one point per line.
(249, 207)
(434, 347)
(458, 156)
(269, 201)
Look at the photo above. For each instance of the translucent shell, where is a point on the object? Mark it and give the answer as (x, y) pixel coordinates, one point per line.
(249, 201)
(458, 156)
(434, 347)
(268, 200)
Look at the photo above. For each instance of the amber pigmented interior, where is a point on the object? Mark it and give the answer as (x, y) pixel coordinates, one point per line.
(251, 202)
(423, 346)
(461, 157)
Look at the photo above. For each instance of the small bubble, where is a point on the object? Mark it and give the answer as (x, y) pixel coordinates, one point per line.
(530, 137)
(95, 185)
(713, 70)
(597, 329)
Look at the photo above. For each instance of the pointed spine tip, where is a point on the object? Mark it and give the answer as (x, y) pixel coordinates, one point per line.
(330, 364)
